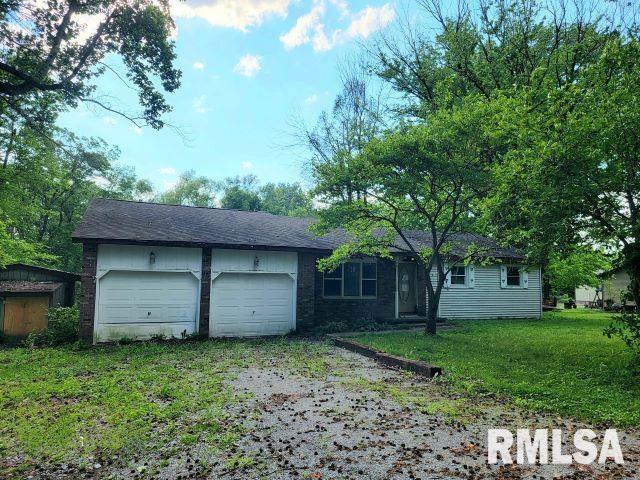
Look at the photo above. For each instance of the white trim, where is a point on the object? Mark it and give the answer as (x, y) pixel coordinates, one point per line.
(468, 283)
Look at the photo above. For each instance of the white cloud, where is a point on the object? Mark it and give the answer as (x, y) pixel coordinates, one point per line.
(342, 6)
(306, 26)
(313, 98)
(246, 165)
(238, 14)
(310, 28)
(167, 171)
(136, 130)
(198, 104)
(248, 65)
(370, 20)
(109, 120)
(198, 66)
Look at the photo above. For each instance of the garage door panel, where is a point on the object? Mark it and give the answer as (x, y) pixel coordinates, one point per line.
(143, 304)
(251, 305)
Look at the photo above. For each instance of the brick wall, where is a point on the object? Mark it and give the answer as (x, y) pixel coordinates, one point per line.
(88, 291)
(205, 293)
(313, 310)
(305, 293)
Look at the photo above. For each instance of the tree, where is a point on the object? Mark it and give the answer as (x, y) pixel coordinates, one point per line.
(427, 176)
(558, 75)
(44, 190)
(491, 46)
(285, 199)
(16, 250)
(51, 54)
(342, 134)
(576, 268)
(197, 191)
(575, 177)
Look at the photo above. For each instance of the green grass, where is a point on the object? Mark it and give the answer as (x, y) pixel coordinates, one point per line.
(561, 364)
(62, 404)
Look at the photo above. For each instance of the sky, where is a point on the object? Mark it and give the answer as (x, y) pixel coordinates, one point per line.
(248, 68)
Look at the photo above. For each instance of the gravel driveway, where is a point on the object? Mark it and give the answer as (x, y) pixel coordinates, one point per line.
(326, 413)
(368, 422)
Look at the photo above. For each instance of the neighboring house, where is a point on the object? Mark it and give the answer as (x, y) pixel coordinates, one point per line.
(586, 295)
(152, 269)
(26, 294)
(616, 282)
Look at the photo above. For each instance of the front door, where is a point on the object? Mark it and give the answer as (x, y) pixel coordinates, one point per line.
(407, 288)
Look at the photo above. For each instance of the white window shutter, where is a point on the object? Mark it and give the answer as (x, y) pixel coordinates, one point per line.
(503, 276)
(447, 278)
(471, 276)
(525, 279)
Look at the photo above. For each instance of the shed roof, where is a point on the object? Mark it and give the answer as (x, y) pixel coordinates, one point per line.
(17, 286)
(61, 274)
(119, 221)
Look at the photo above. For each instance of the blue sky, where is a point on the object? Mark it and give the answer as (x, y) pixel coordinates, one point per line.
(248, 67)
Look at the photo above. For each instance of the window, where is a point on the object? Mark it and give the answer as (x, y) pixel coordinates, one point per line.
(369, 279)
(513, 276)
(333, 283)
(458, 275)
(353, 279)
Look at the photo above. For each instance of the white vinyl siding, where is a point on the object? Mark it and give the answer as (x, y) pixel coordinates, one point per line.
(488, 299)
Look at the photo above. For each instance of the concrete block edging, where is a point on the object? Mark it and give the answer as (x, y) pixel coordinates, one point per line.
(415, 366)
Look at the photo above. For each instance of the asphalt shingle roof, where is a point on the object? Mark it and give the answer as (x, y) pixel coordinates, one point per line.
(139, 222)
(18, 286)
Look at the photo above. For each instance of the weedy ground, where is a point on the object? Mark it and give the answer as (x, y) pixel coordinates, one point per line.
(288, 408)
(561, 364)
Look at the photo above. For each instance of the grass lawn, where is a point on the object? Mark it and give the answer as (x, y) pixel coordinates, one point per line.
(82, 406)
(561, 364)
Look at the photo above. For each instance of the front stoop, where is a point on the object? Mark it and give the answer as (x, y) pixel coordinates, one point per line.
(415, 366)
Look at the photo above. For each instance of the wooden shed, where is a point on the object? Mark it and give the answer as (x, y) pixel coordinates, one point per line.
(26, 294)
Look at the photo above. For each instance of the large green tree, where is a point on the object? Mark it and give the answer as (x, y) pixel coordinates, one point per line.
(429, 177)
(190, 189)
(45, 188)
(53, 50)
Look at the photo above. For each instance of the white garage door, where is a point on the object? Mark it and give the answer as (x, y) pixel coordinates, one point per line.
(249, 305)
(141, 304)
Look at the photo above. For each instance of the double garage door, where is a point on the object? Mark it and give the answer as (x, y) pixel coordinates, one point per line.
(142, 304)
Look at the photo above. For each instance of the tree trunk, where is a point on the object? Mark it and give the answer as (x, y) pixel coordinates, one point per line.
(432, 317)
(632, 254)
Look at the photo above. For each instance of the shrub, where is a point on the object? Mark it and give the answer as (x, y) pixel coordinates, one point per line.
(626, 325)
(62, 328)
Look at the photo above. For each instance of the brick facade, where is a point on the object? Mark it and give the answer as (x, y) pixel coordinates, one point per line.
(313, 310)
(305, 292)
(88, 291)
(205, 293)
